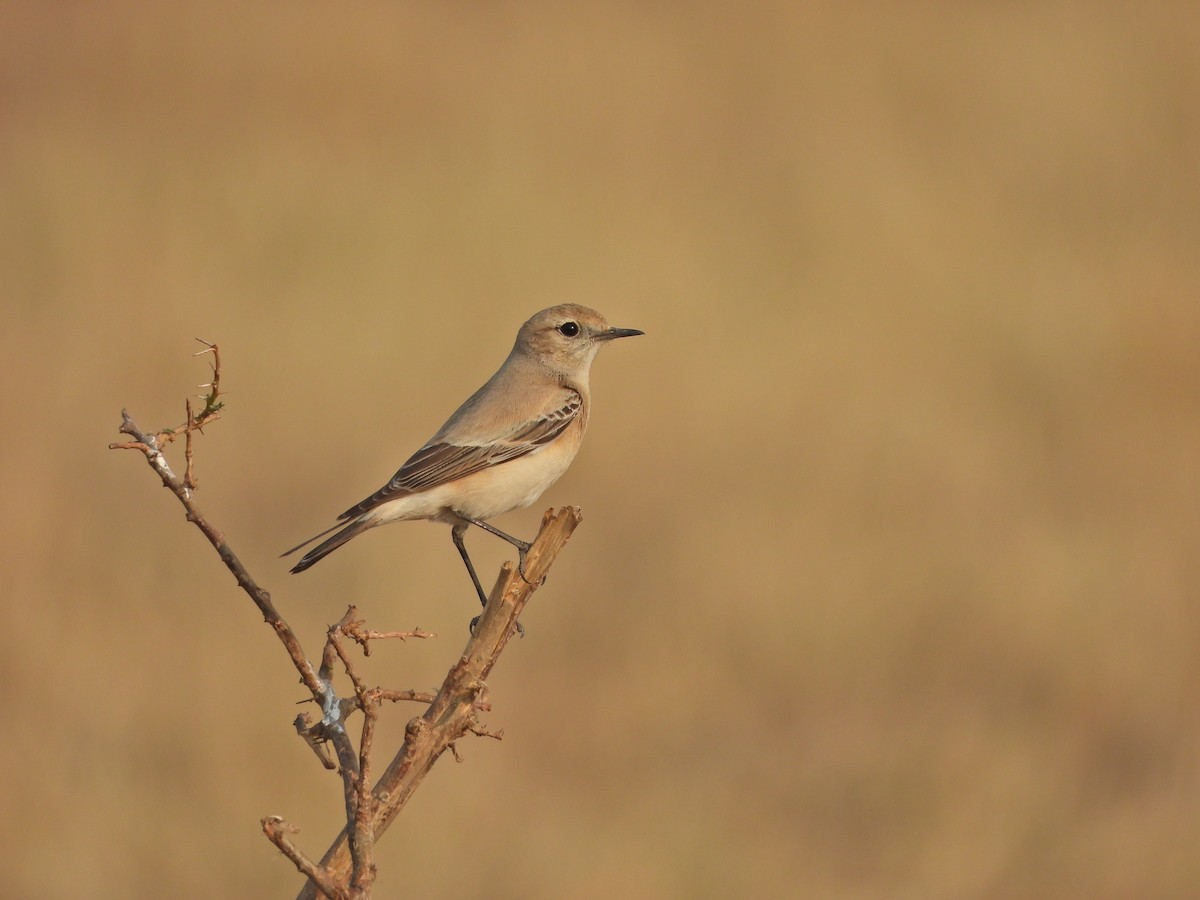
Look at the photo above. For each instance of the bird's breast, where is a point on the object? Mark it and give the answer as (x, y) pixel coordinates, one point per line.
(513, 484)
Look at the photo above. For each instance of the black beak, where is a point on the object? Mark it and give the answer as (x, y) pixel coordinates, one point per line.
(613, 333)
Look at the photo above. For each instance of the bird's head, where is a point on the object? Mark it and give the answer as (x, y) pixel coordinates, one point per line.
(566, 338)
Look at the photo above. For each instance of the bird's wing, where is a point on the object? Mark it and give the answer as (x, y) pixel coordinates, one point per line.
(442, 462)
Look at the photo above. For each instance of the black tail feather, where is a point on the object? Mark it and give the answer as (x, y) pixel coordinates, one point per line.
(311, 539)
(328, 545)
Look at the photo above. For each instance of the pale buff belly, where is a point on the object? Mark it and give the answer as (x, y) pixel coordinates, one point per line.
(510, 485)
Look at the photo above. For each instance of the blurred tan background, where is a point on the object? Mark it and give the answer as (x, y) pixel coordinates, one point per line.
(887, 583)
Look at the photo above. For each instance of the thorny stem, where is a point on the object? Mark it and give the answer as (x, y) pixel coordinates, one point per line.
(347, 870)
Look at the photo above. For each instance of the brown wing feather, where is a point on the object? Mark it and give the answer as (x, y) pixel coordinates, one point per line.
(436, 464)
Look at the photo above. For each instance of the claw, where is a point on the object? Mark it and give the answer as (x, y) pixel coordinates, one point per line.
(521, 567)
(475, 621)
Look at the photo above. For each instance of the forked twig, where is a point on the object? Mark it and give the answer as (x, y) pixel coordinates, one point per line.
(452, 714)
(347, 870)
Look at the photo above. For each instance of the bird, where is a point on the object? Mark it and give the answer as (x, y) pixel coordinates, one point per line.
(505, 445)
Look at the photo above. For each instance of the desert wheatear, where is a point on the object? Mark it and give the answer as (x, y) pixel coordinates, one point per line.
(502, 448)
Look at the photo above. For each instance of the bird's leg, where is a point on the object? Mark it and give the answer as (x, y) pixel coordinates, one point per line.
(522, 546)
(456, 533)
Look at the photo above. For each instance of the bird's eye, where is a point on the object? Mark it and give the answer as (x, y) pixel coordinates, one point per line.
(570, 329)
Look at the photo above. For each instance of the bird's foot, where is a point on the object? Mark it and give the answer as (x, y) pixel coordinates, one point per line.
(521, 553)
(475, 621)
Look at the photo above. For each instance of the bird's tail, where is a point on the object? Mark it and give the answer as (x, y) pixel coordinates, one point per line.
(328, 545)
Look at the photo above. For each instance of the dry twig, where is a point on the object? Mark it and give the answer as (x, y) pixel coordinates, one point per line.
(347, 871)
(453, 711)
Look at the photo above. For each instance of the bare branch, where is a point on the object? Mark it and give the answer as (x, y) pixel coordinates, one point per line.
(212, 410)
(360, 803)
(329, 728)
(347, 871)
(316, 742)
(189, 474)
(480, 731)
(452, 713)
(363, 636)
(277, 830)
(415, 696)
